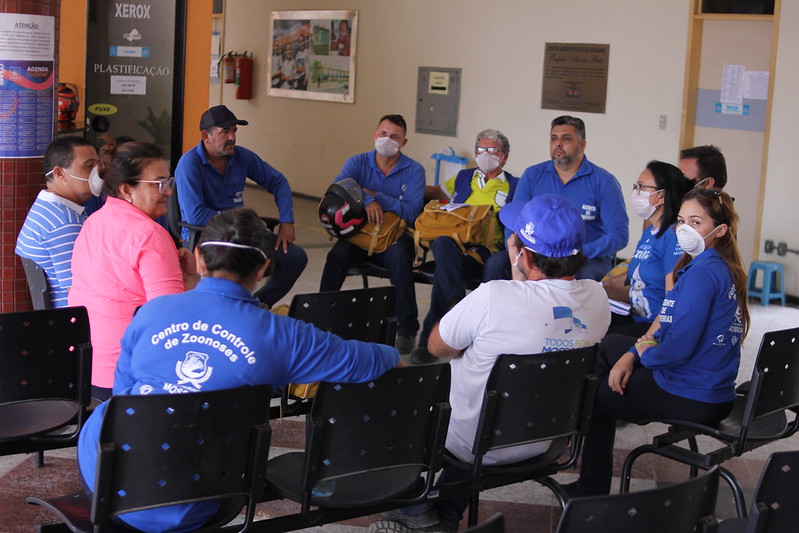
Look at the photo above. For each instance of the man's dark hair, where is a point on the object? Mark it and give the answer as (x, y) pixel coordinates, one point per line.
(710, 162)
(558, 267)
(397, 120)
(555, 267)
(568, 120)
(61, 153)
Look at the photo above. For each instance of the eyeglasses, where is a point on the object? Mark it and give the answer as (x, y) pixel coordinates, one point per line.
(164, 184)
(639, 187)
(483, 149)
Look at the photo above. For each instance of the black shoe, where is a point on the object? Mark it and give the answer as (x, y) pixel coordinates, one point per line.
(421, 356)
(405, 343)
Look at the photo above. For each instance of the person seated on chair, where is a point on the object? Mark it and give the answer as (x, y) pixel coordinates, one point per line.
(543, 308)
(487, 184)
(218, 336)
(656, 197)
(705, 166)
(391, 181)
(210, 177)
(48, 234)
(122, 257)
(592, 190)
(685, 367)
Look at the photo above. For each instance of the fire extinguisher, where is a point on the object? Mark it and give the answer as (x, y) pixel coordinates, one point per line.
(228, 64)
(244, 76)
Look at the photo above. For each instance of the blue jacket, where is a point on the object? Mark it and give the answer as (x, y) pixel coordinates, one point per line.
(595, 193)
(700, 333)
(214, 337)
(401, 192)
(204, 192)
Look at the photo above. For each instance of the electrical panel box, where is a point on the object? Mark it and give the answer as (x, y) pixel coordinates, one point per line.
(437, 100)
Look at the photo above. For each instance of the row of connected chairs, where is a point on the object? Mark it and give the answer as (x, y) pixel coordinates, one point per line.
(507, 401)
(162, 449)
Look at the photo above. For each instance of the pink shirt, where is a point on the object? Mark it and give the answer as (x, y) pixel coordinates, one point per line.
(122, 258)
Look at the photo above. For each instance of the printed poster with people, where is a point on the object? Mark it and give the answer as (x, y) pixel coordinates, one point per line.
(312, 55)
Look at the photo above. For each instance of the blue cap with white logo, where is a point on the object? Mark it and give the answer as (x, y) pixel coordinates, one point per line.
(548, 225)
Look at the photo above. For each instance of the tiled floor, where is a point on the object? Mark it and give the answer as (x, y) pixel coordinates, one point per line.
(527, 506)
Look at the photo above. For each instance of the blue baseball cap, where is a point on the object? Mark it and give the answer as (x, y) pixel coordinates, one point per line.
(548, 225)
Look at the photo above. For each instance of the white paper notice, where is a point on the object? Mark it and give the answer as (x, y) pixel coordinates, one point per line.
(756, 84)
(128, 85)
(26, 36)
(732, 81)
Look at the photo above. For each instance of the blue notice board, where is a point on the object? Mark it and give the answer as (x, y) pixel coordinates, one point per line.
(710, 112)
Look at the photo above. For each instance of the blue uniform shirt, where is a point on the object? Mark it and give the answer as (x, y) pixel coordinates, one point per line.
(214, 337)
(700, 333)
(653, 259)
(401, 192)
(204, 191)
(595, 193)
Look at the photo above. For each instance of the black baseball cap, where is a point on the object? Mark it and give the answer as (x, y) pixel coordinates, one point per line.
(221, 116)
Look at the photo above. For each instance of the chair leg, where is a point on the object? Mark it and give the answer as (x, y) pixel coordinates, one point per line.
(627, 467)
(737, 493)
(474, 504)
(53, 527)
(556, 489)
(39, 459)
(694, 471)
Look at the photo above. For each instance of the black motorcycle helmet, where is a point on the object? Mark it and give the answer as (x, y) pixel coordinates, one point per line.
(341, 209)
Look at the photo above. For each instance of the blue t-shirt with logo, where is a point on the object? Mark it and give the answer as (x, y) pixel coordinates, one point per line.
(654, 258)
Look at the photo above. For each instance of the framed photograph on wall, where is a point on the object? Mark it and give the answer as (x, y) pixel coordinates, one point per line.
(312, 55)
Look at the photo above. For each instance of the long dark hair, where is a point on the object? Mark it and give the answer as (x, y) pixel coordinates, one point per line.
(719, 206)
(674, 185)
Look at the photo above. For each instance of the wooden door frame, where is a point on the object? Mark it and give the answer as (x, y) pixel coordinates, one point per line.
(696, 21)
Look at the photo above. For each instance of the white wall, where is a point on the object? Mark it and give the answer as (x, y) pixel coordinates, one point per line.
(500, 48)
(780, 219)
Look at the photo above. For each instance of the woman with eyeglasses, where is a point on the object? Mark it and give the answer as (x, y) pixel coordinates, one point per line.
(656, 197)
(686, 368)
(122, 257)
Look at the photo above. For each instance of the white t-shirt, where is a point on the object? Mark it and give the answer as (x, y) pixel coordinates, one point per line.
(513, 317)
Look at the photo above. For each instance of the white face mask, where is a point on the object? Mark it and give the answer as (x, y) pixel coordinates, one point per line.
(94, 179)
(386, 146)
(691, 241)
(640, 204)
(487, 162)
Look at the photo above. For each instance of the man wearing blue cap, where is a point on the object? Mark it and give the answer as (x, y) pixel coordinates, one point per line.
(543, 308)
(210, 178)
